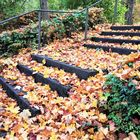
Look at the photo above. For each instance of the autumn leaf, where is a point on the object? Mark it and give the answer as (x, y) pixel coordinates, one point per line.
(46, 74)
(53, 136)
(102, 118)
(104, 130)
(71, 128)
(91, 130)
(94, 103)
(44, 61)
(13, 109)
(99, 136)
(25, 114)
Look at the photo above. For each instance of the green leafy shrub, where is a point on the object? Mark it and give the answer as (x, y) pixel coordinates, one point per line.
(69, 22)
(12, 41)
(108, 7)
(53, 29)
(56, 28)
(123, 104)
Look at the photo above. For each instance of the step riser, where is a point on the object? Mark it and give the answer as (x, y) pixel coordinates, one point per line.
(111, 40)
(54, 85)
(22, 102)
(81, 73)
(119, 33)
(121, 51)
(125, 27)
(3, 133)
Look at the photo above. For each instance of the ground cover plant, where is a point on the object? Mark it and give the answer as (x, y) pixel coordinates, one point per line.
(123, 104)
(123, 96)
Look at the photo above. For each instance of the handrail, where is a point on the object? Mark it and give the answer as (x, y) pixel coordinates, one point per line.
(38, 10)
(56, 11)
(94, 4)
(91, 6)
(14, 17)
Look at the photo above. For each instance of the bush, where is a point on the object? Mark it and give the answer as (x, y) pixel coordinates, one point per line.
(108, 7)
(56, 28)
(12, 41)
(123, 104)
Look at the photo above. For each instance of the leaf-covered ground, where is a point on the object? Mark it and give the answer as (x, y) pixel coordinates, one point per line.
(77, 117)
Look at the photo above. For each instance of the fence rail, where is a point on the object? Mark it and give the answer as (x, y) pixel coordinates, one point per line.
(15, 17)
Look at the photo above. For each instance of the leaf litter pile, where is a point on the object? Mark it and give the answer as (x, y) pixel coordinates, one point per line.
(79, 116)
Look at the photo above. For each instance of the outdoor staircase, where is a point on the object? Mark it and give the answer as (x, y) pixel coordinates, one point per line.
(116, 31)
(55, 85)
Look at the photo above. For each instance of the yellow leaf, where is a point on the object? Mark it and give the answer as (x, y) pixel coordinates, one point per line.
(12, 77)
(91, 130)
(91, 113)
(63, 127)
(94, 103)
(91, 137)
(37, 69)
(47, 87)
(46, 74)
(99, 136)
(102, 118)
(13, 109)
(31, 96)
(12, 134)
(6, 127)
(44, 61)
(53, 136)
(25, 125)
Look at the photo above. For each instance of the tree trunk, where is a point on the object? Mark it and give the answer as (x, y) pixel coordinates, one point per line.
(44, 6)
(129, 13)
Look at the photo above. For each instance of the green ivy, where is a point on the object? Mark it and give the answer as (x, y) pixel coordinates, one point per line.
(123, 104)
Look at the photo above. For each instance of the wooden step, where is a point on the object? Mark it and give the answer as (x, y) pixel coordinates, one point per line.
(112, 40)
(54, 84)
(81, 73)
(120, 33)
(128, 27)
(121, 51)
(21, 101)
